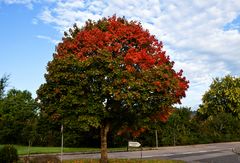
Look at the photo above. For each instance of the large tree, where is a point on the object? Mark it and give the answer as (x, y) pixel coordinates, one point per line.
(223, 96)
(110, 72)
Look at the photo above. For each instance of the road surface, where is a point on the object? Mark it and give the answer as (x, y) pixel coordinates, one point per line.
(203, 153)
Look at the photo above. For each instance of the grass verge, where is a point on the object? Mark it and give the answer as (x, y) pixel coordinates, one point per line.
(125, 161)
(23, 150)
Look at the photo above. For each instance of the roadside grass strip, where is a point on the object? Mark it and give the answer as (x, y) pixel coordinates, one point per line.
(23, 150)
(124, 161)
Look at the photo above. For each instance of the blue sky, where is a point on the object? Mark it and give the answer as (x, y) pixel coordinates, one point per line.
(24, 55)
(202, 37)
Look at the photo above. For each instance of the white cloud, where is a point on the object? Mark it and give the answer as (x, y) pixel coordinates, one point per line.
(35, 21)
(27, 3)
(55, 42)
(65, 14)
(200, 71)
(192, 31)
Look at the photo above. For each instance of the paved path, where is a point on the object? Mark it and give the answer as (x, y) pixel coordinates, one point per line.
(204, 153)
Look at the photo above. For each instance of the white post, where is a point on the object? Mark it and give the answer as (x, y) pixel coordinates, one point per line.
(62, 143)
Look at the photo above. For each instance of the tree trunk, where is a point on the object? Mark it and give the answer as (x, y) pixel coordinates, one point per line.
(104, 131)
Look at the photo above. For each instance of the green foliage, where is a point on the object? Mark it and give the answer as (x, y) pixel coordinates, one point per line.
(8, 154)
(182, 128)
(110, 71)
(219, 113)
(221, 127)
(177, 129)
(185, 127)
(48, 132)
(83, 95)
(17, 117)
(222, 97)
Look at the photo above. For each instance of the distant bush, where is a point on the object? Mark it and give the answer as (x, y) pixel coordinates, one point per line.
(8, 154)
(45, 159)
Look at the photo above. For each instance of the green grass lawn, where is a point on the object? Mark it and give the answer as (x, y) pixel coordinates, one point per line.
(125, 161)
(23, 150)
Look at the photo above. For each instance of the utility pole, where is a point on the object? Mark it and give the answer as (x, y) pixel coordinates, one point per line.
(156, 136)
(62, 143)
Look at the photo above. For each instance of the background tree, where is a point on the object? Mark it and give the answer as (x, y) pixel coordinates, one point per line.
(220, 128)
(177, 130)
(3, 85)
(110, 72)
(219, 112)
(222, 97)
(17, 115)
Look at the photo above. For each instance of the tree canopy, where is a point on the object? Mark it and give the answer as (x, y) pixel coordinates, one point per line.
(110, 72)
(17, 115)
(223, 96)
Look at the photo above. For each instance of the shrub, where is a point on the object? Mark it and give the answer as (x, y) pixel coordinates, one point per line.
(8, 154)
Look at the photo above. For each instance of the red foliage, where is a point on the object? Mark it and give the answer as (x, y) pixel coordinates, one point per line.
(121, 38)
(134, 132)
(162, 115)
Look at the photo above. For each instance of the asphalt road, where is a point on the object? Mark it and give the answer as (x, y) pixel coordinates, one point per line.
(214, 156)
(204, 153)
